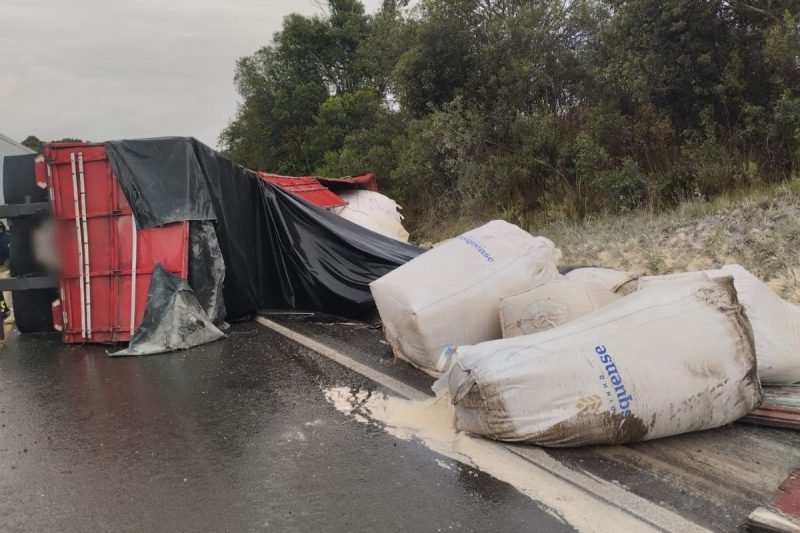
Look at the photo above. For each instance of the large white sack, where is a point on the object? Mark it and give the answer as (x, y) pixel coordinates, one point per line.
(673, 358)
(775, 322)
(375, 212)
(450, 294)
(616, 281)
(555, 303)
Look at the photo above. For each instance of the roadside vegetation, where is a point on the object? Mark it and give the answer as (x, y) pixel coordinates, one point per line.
(758, 228)
(560, 110)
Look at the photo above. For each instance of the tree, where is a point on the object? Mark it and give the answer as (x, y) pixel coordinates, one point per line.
(472, 109)
(284, 84)
(34, 143)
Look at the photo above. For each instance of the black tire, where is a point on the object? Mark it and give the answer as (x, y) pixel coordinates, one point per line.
(29, 310)
(19, 180)
(20, 249)
(32, 308)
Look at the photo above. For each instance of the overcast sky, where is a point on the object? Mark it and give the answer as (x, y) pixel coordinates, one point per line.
(110, 69)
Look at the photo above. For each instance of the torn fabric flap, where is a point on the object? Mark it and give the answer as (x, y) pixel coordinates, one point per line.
(173, 319)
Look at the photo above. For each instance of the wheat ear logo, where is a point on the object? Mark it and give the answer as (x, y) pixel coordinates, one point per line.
(593, 402)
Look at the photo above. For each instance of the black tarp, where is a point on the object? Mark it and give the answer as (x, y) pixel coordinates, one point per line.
(162, 180)
(207, 270)
(280, 251)
(173, 318)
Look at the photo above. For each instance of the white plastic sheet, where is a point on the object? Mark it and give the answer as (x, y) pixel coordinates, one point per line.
(374, 211)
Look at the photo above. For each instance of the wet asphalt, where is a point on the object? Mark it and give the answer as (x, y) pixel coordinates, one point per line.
(234, 436)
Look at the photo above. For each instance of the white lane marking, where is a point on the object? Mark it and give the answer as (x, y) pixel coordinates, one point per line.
(430, 422)
(388, 382)
(576, 484)
(611, 492)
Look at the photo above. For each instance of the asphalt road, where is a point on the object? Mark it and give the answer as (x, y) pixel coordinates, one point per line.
(706, 480)
(234, 436)
(238, 436)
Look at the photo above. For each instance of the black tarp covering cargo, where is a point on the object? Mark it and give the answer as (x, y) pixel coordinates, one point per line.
(173, 319)
(280, 251)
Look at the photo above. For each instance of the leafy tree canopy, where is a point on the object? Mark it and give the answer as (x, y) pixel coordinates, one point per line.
(526, 108)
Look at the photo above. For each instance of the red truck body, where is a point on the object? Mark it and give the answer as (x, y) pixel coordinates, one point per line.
(307, 187)
(321, 190)
(106, 262)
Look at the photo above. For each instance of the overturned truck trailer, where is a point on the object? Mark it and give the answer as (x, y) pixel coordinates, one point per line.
(173, 210)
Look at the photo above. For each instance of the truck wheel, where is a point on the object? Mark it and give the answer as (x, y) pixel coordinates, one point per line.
(19, 180)
(20, 248)
(29, 310)
(32, 308)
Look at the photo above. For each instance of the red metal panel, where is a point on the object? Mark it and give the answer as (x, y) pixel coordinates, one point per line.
(787, 498)
(781, 407)
(782, 513)
(106, 302)
(307, 187)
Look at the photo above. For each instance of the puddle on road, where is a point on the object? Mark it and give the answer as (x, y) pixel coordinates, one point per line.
(432, 422)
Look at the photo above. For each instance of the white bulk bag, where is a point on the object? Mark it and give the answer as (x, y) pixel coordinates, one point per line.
(616, 281)
(373, 211)
(450, 294)
(552, 304)
(775, 322)
(673, 358)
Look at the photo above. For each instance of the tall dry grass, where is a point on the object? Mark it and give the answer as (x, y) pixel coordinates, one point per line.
(758, 228)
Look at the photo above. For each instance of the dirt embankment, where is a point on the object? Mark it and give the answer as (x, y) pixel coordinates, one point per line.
(760, 231)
